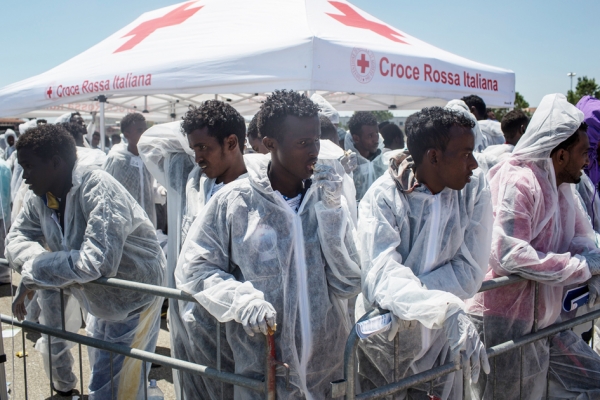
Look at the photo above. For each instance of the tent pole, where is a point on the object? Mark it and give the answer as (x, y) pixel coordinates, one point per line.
(102, 100)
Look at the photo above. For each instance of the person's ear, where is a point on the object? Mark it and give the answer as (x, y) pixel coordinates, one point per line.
(432, 156)
(355, 138)
(270, 143)
(231, 143)
(56, 162)
(561, 157)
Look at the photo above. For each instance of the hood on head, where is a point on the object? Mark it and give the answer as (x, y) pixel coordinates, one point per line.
(552, 123)
(10, 132)
(63, 118)
(27, 125)
(326, 108)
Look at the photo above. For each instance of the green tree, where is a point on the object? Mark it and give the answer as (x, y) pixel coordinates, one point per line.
(585, 86)
(520, 104)
(381, 116)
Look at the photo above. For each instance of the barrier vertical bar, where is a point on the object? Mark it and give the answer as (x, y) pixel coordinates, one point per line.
(494, 387)
(535, 306)
(80, 371)
(270, 372)
(521, 373)
(466, 373)
(396, 358)
(62, 309)
(24, 364)
(181, 382)
(112, 378)
(145, 364)
(50, 364)
(219, 354)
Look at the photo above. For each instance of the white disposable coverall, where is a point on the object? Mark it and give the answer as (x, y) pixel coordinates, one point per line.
(368, 170)
(129, 170)
(249, 244)
(193, 330)
(106, 234)
(480, 140)
(492, 131)
(539, 232)
(326, 108)
(492, 155)
(421, 256)
(166, 153)
(9, 149)
(45, 303)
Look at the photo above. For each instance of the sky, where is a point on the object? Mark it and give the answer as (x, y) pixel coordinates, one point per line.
(540, 40)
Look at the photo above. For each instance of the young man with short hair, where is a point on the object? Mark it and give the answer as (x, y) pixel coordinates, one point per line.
(328, 131)
(78, 225)
(254, 137)
(490, 128)
(393, 138)
(424, 238)
(514, 124)
(125, 165)
(275, 252)
(216, 134)
(365, 143)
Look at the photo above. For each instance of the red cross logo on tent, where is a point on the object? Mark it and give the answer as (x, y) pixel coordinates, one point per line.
(49, 92)
(362, 65)
(355, 20)
(146, 28)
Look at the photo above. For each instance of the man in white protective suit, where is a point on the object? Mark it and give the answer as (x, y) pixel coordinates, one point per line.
(216, 133)
(424, 234)
(364, 141)
(490, 129)
(125, 165)
(514, 124)
(275, 252)
(541, 233)
(77, 225)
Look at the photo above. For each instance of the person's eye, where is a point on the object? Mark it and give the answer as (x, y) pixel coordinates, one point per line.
(303, 142)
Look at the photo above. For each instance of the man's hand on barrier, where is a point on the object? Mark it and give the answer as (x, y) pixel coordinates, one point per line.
(18, 305)
(594, 289)
(400, 325)
(257, 315)
(463, 336)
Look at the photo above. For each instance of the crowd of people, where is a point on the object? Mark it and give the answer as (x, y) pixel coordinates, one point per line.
(296, 228)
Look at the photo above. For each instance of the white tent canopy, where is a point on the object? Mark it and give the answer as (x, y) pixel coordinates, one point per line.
(239, 50)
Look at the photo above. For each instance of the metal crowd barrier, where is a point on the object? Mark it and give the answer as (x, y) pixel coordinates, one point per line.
(266, 386)
(347, 386)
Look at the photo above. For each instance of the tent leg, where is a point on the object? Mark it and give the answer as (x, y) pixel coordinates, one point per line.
(102, 100)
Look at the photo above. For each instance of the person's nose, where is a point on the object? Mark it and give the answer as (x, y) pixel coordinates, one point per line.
(473, 164)
(313, 151)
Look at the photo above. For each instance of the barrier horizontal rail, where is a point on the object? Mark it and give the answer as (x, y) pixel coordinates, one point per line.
(259, 386)
(347, 386)
(174, 363)
(448, 368)
(351, 344)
